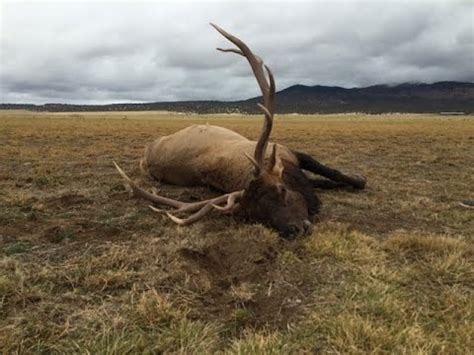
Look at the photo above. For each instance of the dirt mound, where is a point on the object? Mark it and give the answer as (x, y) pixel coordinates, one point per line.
(243, 278)
(228, 263)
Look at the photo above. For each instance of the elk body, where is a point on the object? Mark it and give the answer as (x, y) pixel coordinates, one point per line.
(263, 182)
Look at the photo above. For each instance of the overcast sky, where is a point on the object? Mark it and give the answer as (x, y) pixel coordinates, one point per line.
(110, 51)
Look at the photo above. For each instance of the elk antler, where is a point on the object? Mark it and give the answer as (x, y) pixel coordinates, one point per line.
(202, 207)
(211, 204)
(266, 86)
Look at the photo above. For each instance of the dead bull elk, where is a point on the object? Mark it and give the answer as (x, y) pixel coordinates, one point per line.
(264, 185)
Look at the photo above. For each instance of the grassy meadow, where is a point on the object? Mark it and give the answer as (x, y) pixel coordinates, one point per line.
(85, 268)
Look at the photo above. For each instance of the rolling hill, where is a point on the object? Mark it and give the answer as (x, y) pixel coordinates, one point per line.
(406, 98)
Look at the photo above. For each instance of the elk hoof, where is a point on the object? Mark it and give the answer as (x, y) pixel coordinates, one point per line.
(360, 181)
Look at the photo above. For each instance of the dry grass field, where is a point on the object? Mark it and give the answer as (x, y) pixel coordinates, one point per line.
(85, 268)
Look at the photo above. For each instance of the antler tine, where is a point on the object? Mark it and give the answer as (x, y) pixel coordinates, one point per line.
(255, 62)
(233, 50)
(194, 206)
(271, 79)
(230, 202)
(193, 218)
(266, 86)
(230, 206)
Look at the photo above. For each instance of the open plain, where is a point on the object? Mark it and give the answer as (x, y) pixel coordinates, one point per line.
(85, 268)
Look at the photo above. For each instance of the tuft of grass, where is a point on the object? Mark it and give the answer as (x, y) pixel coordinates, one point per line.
(8, 286)
(254, 342)
(111, 341)
(155, 310)
(17, 247)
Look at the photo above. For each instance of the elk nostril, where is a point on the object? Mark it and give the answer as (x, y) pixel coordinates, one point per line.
(293, 228)
(292, 231)
(289, 231)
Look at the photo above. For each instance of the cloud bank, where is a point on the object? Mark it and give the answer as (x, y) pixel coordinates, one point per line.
(110, 52)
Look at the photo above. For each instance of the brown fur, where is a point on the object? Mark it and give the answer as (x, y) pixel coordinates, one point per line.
(206, 155)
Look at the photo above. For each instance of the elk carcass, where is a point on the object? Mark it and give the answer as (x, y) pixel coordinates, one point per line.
(264, 182)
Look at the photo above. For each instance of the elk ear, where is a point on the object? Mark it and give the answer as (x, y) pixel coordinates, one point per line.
(273, 157)
(278, 169)
(275, 163)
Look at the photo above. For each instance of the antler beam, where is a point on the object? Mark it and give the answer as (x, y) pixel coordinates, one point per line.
(201, 208)
(267, 87)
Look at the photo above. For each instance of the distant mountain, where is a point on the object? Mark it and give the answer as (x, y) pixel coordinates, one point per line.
(437, 97)
(408, 98)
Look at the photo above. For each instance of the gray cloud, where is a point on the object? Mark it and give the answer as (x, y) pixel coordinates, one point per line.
(162, 51)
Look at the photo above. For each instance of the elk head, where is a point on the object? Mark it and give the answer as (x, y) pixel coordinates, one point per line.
(268, 197)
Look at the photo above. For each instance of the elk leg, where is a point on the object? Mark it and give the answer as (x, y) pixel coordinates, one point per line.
(327, 184)
(308, 163)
